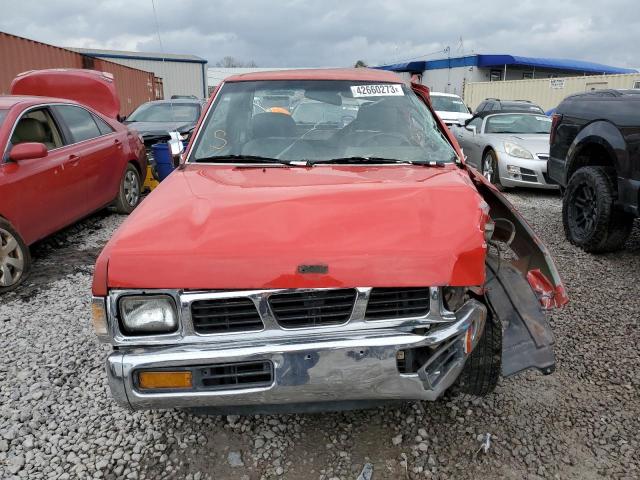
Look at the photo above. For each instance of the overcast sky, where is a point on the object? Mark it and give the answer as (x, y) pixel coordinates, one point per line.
(338, 32)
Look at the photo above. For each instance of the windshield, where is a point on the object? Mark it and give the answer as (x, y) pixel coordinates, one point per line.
(3, 114)
(448, 104)
(521, 107)
(165, 112)
(320, 120)
(518, 123)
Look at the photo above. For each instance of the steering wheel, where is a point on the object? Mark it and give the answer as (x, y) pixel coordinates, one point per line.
(384, 139)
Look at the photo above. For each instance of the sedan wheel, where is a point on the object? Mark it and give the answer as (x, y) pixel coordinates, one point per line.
(487, 167)
(14, 258)
(129, 192)
(490, 169)
(131, 188)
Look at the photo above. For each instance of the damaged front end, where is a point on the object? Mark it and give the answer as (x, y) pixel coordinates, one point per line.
(521, 287)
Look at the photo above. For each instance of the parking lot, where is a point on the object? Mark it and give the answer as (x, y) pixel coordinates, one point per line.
(58, 420)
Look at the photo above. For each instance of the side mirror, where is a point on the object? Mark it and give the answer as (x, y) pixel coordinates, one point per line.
(28, 151)
(176, 147)
(471, 128)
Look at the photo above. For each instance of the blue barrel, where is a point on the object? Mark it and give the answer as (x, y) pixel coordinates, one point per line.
(162, 159)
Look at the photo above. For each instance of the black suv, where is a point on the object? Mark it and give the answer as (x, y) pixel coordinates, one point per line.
(595, 157)
(495, 105)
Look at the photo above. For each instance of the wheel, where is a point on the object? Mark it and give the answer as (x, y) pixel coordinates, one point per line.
(482, 370)
(490, 169)
(590, 219)
(15, 259)
(129, 192)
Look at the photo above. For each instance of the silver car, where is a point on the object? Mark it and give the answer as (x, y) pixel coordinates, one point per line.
(510, 149)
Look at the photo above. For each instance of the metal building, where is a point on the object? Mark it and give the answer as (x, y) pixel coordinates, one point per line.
(546, 92)
(180, 74)
(450, 75)
(20, 54)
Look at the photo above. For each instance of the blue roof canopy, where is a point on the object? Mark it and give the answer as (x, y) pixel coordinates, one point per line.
(502, 60)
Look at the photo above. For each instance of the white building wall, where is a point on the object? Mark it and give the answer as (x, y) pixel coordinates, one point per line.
(178, 78)
(546, 92)
(450, 80)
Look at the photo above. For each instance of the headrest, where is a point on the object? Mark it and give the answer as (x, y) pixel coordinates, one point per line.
(272, 124)
(29, 130)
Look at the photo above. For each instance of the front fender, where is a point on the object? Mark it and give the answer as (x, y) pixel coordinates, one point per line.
(532, 255)
(517, 289)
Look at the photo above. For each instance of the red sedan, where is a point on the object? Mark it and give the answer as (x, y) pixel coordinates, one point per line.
(61, 161)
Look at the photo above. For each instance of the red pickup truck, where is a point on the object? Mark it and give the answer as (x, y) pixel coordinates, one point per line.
(331, 260)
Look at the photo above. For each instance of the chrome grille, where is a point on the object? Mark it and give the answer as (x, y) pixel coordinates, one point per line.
(388, 303)
(313, 308)
(225, 315)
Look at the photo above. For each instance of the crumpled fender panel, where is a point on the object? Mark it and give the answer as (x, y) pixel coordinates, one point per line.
(527, 341)
(531, 253)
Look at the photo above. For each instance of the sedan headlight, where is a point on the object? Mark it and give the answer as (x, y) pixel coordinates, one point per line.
(148, 314)
(516, 150)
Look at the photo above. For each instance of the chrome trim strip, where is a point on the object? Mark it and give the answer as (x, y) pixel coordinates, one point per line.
(186, 333)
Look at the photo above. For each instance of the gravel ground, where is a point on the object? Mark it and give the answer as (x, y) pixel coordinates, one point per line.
(57, 419)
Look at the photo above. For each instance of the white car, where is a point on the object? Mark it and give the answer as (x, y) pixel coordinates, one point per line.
(450, 108)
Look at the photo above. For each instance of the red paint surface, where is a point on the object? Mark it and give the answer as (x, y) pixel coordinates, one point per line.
(87, 87)
(224, 227)
(42, 195)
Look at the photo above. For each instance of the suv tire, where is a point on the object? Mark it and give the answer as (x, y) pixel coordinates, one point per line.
(129, 191)
(482, 370)
(15, 259)
(590, 219)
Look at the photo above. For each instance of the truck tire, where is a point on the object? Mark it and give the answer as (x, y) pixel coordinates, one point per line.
(129, 191)
(482, 370)
(15, 259)
(590, 219)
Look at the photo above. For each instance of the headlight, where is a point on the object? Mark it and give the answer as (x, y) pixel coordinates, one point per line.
(148, 314)
(516, 150)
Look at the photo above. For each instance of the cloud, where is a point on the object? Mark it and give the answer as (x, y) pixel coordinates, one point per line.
(301, 33)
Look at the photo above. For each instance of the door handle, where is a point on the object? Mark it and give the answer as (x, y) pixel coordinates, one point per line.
(118, 143)
(74, 160)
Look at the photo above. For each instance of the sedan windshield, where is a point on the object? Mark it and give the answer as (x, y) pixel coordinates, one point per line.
(518, 123)
(165, 112)
(320, 120)
(448, 104)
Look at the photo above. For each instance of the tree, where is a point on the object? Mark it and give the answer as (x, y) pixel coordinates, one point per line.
(360, 64)
(231, 62)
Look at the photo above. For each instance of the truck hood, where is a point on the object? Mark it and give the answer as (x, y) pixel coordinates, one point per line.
(243, 227)
(450, 117)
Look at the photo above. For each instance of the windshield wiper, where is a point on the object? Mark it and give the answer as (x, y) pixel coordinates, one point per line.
(247, 159)
(356, 160)
(379, 160)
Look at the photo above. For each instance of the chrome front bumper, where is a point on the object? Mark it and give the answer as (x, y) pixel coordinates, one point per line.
(358, 365)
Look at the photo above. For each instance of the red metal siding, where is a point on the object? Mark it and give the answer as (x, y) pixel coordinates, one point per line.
(19, 54)
(134, 86)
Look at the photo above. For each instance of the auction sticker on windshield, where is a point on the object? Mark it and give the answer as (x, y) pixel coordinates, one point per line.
(383, 90)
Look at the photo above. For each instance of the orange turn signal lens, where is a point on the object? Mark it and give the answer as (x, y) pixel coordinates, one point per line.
(158, 380)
